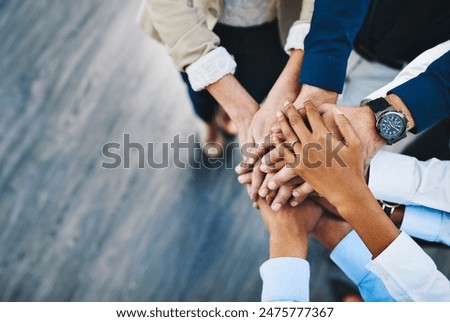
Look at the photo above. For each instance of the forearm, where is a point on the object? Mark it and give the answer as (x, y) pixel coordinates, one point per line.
(288, 246)
(427, 95)
(364, 214)
(287, 86)
(330, 41)
(182, 29)
(235, 100)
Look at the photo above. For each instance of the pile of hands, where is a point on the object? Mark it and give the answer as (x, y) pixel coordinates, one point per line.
(305, 158)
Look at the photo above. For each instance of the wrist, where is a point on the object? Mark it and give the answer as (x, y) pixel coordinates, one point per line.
(399, 105)
(284, 245)
(315, 94)
(235, 100)
(352, 201)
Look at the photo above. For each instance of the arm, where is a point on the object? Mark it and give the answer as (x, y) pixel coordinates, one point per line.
(424, 223)
(286, 274)
(350, 254)
(424, 100)
(427, 95)
(329, 43)
(195, 49)
(343, 185)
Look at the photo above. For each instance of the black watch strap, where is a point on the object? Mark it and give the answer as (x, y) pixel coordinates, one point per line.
(378, 104)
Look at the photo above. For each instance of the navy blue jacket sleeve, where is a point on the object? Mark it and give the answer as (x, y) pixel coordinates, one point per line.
(334, 26)
(427, 96)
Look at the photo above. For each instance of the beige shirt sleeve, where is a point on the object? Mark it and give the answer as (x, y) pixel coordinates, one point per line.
(181, 28)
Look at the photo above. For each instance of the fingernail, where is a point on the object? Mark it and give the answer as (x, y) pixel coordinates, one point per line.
(294, 203)
(255, 205)
(279, 114)
(238, 169)
(241, 179)
(338, 111)
(276, 207)
(296, 194)
(251, 161)
(263, 167)
(286, 103)
(272, 185)
(263, 193)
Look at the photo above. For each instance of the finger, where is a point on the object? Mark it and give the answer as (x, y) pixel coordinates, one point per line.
(241, 168)
(275, 129)
(330, 123)
(346, 128)
(286, 128)
(297, 123)
(271, 157)
(282, 197)
(274, 167)
(323, 108)
(314, 119)
(245, 178)
(257, 180)
(264, 190)
(300, 193)
(281, 178)
(271, 195)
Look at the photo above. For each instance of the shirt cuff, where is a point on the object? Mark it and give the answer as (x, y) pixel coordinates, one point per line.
(210, 68)
(390, 177)
(421, 222)
(351, 256)
(296, 37)
(324, 71)
(408, 272)
(285, 279)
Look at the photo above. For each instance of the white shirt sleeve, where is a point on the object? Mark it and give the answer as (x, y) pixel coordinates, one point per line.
(402, 179)
(427, 224)
(210, 68)
(285, 279)
(409, 273)
(413, 69)
(296, 36)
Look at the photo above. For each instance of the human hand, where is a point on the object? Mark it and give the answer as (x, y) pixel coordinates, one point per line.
(332, 176)
(329, 231)
(316, 95)
(363, 122)
(289, 228)
(285, 88)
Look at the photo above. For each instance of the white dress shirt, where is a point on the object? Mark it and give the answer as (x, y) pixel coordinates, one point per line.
(405, 180)
(413, 69)
(406, 271)
(409, 274)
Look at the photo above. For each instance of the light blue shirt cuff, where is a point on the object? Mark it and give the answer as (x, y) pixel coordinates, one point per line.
(352, 256)
(427, 224)
(285, 279)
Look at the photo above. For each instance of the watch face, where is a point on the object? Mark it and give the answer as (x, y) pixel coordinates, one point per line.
(391, 125)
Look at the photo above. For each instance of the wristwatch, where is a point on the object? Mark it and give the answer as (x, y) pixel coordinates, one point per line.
(391, 124)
